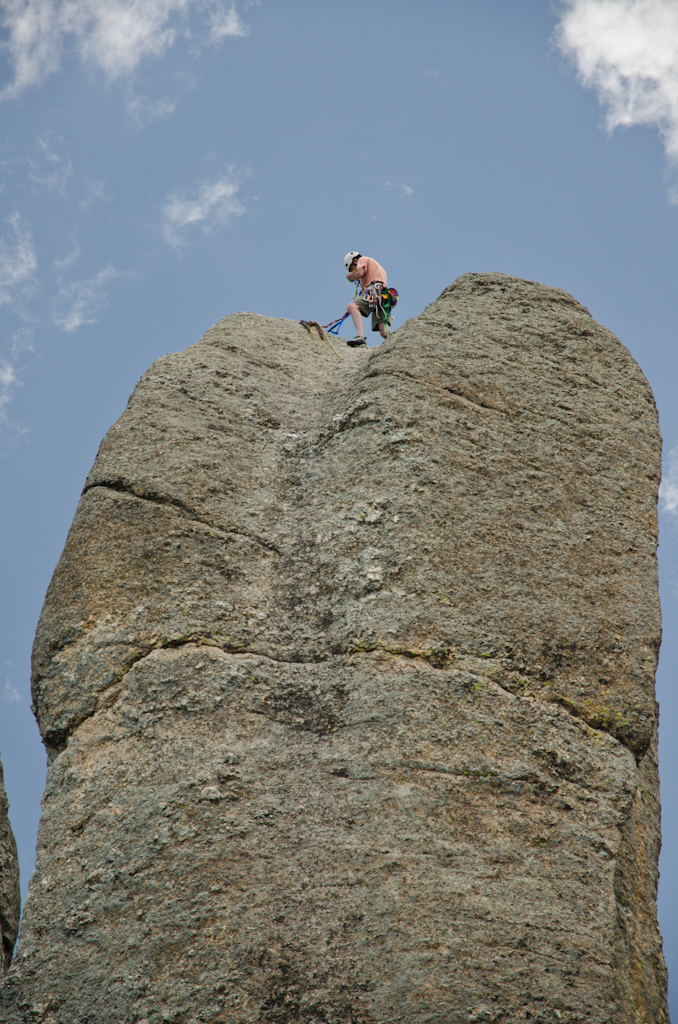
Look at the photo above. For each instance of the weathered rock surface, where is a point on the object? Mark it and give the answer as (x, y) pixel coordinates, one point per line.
(347, 673)
(10, 897)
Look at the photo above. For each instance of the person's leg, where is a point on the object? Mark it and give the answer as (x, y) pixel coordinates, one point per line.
(356, 318)
(382, 323)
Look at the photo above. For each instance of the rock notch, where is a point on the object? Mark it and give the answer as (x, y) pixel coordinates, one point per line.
(347, 675)
(10, 897)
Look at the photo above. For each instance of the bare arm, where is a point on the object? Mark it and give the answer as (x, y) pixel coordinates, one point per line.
(355, 276)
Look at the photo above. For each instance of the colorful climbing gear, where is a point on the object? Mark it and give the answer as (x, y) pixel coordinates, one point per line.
(381, 297)
(333, 326)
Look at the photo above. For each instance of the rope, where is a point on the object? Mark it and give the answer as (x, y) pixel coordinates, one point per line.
(308, 324)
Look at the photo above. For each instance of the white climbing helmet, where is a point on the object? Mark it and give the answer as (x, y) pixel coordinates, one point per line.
(349, 257)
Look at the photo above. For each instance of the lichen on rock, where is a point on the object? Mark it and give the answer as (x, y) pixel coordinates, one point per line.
(347, 676)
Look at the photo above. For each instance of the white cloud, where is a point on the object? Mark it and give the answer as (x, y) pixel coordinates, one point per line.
(113, 35)
(68, 260)
(403, 189)
(17, 260)
(9, 366)
(144, 111)
(55, 170)
(214, 204)
(8, 381)
(11, 694)
(95, 190)
(80, 300)
(225, 21)
(628, 51)
(48, 169)
(668, 491)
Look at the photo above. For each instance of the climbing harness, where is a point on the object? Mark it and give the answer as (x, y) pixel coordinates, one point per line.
(382, 299)
(309, 324)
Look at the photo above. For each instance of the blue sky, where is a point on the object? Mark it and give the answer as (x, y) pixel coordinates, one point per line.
(166, 162)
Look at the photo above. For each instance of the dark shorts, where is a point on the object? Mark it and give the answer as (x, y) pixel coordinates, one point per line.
(378, 316)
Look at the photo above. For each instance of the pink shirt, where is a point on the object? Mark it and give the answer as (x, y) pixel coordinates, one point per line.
(369, 271)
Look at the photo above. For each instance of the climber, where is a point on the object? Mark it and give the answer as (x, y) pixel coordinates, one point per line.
(372, 278)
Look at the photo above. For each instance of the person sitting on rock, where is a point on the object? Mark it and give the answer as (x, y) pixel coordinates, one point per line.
(372, 277)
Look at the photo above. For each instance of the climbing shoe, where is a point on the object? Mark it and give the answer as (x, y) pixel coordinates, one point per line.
(358, 340)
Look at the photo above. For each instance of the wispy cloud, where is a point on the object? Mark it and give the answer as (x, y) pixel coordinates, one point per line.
(53, 170)
(10, 693)
(10, 368)
(627, 50)
(224, 21)
(144, 111)
(214, 204)
(44, 166)
(402, 189)
(18, 261)
(68, 260)
(668, 491)
(8, 381)
(77, 303)
(112, 35)
(95, 190)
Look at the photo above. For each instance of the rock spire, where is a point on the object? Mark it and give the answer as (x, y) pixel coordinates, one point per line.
(10, 898)
(347, 677)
